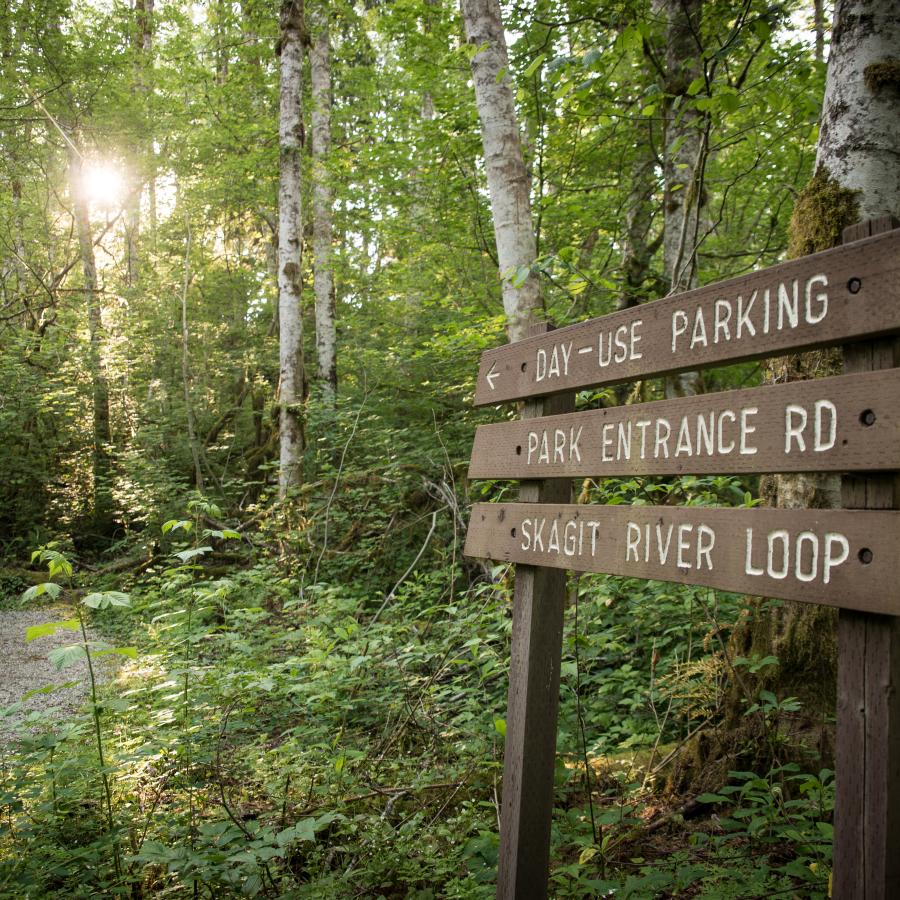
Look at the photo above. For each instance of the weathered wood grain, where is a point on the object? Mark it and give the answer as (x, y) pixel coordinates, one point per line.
(840, 424)
(845, 294)
(529, 757)
(867, 770)
(841, 558)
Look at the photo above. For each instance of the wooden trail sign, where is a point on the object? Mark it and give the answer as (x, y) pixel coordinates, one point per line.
(850, 422)
(849, 293)
(845, 558)
(833, 557)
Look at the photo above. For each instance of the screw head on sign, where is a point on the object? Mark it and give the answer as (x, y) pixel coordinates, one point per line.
(854, 285)
(865, 556)
(867, 417)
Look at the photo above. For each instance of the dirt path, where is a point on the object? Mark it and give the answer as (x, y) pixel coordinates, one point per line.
(24, 667)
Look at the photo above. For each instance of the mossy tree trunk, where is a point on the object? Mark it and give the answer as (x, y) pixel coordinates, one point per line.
(857, 177)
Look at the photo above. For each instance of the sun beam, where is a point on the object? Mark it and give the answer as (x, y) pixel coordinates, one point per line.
(104, 184)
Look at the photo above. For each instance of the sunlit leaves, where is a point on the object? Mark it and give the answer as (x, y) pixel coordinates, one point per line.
(50, 588)
(106, 599)
(49, 628)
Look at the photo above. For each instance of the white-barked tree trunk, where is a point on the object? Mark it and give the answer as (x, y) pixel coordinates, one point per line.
(323, 268)
(290, 141)
(507, 177)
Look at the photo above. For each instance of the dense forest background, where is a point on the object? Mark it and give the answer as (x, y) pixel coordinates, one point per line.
(312, 687)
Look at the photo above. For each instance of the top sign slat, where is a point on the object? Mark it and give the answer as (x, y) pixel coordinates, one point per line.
(841, 295)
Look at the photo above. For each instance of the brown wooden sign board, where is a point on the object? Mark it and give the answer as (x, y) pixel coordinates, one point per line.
(841, 424)
(845, 294)
(845, 558)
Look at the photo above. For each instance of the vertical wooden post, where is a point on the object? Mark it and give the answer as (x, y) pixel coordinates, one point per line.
(529, 758)
(867, 805)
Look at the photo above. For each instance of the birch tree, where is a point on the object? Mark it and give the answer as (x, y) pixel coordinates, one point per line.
(507, 177)
(291, 387)
(323, 268)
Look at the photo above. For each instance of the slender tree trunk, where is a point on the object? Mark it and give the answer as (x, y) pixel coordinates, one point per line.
(507, 178)
(684, 157)
(819, 25)
(186, 361)
(637, 249)
(143, 147)
(323, 269)
(101, 464)
(291, 387)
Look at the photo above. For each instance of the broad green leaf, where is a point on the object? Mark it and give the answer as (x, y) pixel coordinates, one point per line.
(534, 65)
(188, 555)
(51, 588)
(37, 631)
(105, 599)
(62, 657)
(176, 524)
(696, 86)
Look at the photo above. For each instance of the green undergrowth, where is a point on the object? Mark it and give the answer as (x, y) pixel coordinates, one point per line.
(282, 734)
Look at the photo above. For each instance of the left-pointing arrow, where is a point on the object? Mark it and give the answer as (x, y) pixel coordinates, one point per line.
(492, 376)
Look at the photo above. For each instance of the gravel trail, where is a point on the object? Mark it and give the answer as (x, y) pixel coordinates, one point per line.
(24, 666)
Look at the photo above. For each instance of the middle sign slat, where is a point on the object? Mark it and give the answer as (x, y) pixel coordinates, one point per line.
(844, 423)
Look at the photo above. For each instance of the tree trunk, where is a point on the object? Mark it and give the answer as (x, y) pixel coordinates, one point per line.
(101, 464)
(291, 389)
(819, 26)
(685, 149)
(143, 46)
(186, 361)
(857, 178)
(323, 269)
(637, 250)
(507, 178)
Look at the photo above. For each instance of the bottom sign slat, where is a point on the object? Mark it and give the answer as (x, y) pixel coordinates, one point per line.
(837, 557)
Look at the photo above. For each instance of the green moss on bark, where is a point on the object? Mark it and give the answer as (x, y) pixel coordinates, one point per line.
(823, 210)
(885, 74)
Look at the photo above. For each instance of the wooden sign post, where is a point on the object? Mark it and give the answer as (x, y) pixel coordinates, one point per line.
(843, 558)
(867, 755)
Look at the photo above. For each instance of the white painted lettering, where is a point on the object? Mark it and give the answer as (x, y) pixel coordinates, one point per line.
(679, 327)
(663, 431)
(722, 318)
(553, 538)
(607, 441)
(749, 568)
(780, 536)
(726, 414)
(632, 541)
(816, 316)
(793, 431)
(813, 541)
(743, 317)
(684, 532)
(698, 335)
(559, 445)
(789, 304)
(837, 549)
(825, 416)
(569, 539)
(746, 429)
(533, 442)
(706, 540)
